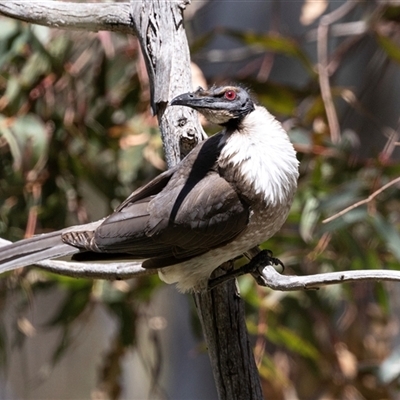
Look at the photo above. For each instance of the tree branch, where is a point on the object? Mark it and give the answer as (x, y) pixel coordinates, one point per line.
(361, 202)
(159, 26)
(261, 266)
(74, 16)
(270, 277)
(323, 65)
(110, 271)
(222, 316)
(164, 45)
(274, 280)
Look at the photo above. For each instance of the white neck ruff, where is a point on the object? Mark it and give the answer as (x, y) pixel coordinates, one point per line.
(265, 157)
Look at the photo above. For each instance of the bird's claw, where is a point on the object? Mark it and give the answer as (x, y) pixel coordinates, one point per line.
(254, 267)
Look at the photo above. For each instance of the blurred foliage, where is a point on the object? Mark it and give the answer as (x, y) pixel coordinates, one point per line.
(76, 137)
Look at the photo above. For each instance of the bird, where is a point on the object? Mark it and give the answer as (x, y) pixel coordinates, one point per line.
(232, 192)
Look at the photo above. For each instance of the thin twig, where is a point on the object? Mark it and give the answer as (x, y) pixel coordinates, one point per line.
(390, 146)
(361, 202)
(323, 65)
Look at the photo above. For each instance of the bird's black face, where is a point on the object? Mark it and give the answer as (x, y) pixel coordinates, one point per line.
(220, 105)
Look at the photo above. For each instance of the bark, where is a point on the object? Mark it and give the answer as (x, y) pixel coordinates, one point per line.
(159, 26)
(221, 312)
(73, 16)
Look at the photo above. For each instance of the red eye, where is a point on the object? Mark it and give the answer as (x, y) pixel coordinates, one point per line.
(230, 95)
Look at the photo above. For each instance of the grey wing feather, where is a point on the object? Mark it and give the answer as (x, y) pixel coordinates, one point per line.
(210, 215)
(151, 189)
(184, 212)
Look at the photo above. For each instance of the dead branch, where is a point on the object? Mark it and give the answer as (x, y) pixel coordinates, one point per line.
(270, 277)
(276, 281)
(73, 16)
(95, 270)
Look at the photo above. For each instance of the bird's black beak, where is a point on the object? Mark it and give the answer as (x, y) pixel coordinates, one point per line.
(218, 105)
(197, 99)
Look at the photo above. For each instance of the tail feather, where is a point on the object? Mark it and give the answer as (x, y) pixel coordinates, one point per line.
(30, 251)
(40, 247)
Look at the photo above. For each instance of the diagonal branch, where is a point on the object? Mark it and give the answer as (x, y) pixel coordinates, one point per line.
(361, 202)
(75, 16)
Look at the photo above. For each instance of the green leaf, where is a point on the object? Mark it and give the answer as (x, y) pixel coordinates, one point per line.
(275, 43)
(8, 28)
(278, 99)
(129, 162)
(391, 48)
(202, 41)
(127, 318)
(36, 66)
(74, 304)
(33, 140)
(282, 336)
(12, 142)
(391, 12)
(13, 89)
(292, 341)
(388, 233)
(389, 370)
(309, 218)
(383, 298)
(58, 49)
(62, 346)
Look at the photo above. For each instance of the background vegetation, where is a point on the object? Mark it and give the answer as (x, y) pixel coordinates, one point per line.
(76, 137)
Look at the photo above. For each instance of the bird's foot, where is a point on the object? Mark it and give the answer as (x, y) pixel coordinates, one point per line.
(254, 267)
(259, 262)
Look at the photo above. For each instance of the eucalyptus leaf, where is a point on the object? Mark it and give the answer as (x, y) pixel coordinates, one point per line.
(389, 370)
(8, 29)
(389, 234)
(12, 142)
(292, 341)
(309, 218)
(74, 304)
(33, 140)
(38, 65)
(391, 48)
(273, 42)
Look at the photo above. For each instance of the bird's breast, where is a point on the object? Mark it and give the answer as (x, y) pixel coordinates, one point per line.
(193, 274)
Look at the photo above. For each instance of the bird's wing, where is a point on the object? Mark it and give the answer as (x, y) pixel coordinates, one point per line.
(177, 224)
(150, 189)
(183, 213)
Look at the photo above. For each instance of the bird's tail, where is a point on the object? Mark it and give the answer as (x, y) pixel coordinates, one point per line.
(30, 251)
(39, 248)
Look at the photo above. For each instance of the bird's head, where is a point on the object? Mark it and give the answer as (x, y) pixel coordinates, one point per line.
(220, 105)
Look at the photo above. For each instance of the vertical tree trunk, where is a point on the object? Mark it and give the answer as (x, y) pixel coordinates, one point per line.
(221, 313)
(160, 30)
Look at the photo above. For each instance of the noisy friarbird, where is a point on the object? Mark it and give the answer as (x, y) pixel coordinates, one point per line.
(229, 194)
